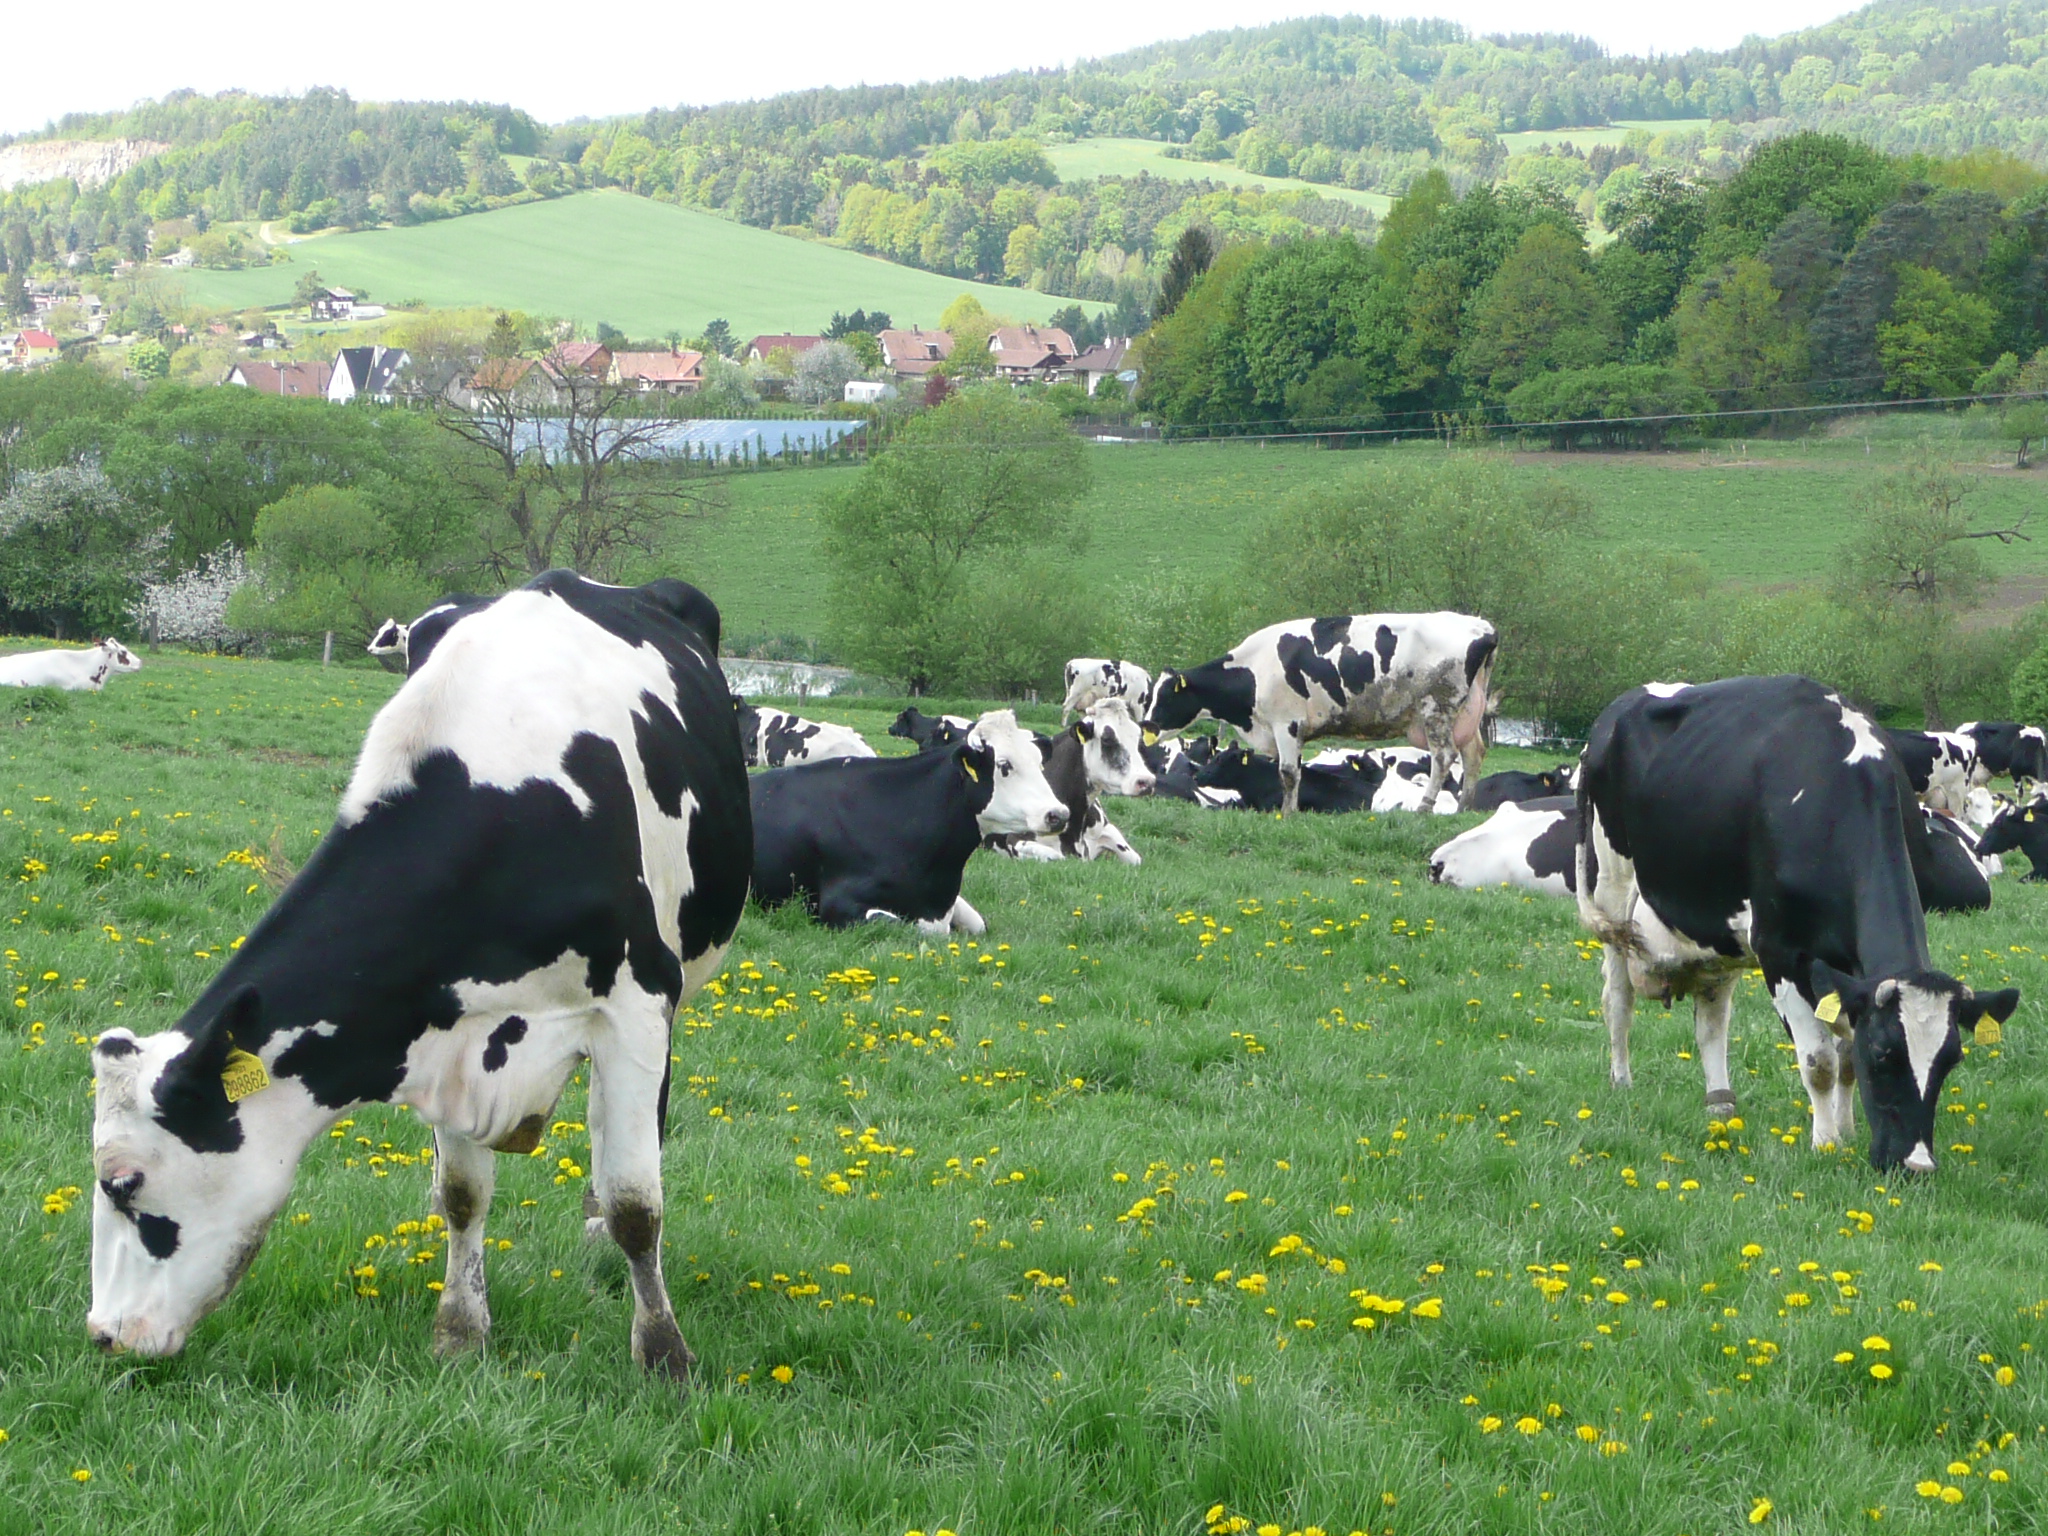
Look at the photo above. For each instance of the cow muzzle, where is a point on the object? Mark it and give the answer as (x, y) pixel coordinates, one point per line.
(1056, 818)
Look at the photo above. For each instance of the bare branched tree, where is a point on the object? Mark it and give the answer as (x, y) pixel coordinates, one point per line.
(570, 469)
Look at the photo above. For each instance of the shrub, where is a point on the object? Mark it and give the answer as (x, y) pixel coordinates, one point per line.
(74, 552)
(1617, 405)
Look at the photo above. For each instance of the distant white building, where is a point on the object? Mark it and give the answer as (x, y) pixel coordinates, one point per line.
(869, 391)
(366, 371)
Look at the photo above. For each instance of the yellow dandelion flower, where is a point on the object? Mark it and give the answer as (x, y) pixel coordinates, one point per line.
(1999, 1475)
(1877, 1341)
(1958, 1469)
(1587, 1433)
(1528, 1425)
(1760, 1511)
(1846, 1357)
(82, 1475)
(1951, 1495)
(1927, 1488)
(2004, 1376)
(1432, 1306)
(1881, 1371)
(783, 1374)
(1487, 1425)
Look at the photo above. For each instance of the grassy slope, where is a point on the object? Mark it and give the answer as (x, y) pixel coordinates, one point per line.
(1778, 517)
(646, 267)
(1402, 1077)
(1085, 159)
(1586, 138)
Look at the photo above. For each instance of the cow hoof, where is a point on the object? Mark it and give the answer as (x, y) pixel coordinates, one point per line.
(659, 1348)
(1620, 1080)
(458, 1336)
(594, 1228)
(1720, 1105)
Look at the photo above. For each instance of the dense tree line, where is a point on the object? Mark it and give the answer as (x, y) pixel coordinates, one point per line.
(1823, 271)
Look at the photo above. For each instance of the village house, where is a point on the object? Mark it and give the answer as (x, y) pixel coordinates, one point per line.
(28, 349)
(1024, 353)
(1104, 360)
(912, 354)
(589, 357)
(307, 380)
(366, 372)
(521, 383)
(332, 304)
(760, 347)
(670, 373)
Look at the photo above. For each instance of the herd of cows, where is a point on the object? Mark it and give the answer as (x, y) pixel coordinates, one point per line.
(551, 832)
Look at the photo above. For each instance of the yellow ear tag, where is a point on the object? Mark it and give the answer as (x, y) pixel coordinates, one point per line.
(968, 768)
(1829, 1008)
(1988, 1031)
(243, 1076)
(1151, 738)
(2028, 817)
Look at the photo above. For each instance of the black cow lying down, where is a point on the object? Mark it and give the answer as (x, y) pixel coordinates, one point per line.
(1513, 787)
(1243, 780)
(1762, 817)
(888, 837)
(930, 733)
(543, 850)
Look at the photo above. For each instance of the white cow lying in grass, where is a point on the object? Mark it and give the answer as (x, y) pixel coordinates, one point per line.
(73, 671)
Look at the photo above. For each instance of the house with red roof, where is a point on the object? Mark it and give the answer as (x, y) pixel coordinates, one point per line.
(307, 380)
(28, 349)
(671, 373)
(1027, 352)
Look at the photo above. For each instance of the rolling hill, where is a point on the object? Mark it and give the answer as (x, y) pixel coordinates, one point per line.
(644, 266)
(1086, 159)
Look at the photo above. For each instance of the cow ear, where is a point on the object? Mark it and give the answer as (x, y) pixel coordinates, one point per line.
(1836, 993)
(203, 1062)
(1085, 729)
(1996, 1006)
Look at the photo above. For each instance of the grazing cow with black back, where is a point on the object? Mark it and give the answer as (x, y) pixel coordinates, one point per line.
(1529, 844)
(774, 738)
(930, 733)
(1761, 819)
(543, 851)
(1366, 675)
(1498, 789)
(2023, 827)
(1091, 680)
(2005, 747)
(889, 837)
(84, 671)
(1940, 765)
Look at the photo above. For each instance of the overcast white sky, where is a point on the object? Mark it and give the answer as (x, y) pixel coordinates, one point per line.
(613, 56)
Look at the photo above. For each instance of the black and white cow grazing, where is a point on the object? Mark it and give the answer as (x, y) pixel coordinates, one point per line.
(1096, 755)
(1238, 779)
(1956, 878)
(1763, 817)
(543, 851)
(1498, 789)
(888, 837)
(1091, 680)
(1940, 765)
(2023, 827)
(1529, 844)
(1367, 675)
(2005, 747)
(931, 733)
(773, 738)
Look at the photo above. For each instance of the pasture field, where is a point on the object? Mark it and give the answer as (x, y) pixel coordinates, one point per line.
(643, 266)
(1760, 514)
(1266, 1176)
(1583, 139)
(1085, 159)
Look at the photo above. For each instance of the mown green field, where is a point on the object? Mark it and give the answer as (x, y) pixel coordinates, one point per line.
(1760, 513)
(1085, 159)
(643, 266)
(1265, 1176)
(1583, 139)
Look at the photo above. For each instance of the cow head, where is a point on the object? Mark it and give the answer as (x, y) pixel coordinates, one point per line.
(389, 639)
(1002, 754)
(1171, 705)
(1111, 750)
(2014, 825)
(189, 1179)
(1906, 1037)
(119, 657)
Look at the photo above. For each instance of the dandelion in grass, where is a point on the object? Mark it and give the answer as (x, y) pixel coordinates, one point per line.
(1529, 1425)
(1760, 1511)
(1927, 1488)
(1487, 1425)
(1881, 1371)
(1951, 1495)
(82, 1475)
(783, 1374)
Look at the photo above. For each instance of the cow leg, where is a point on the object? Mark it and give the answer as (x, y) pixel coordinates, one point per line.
(1711, 1010)
(1287, 750)
(1436, 734)
(465, 1172)
(1824, 1065)
(625, 1153)
(965, 918)
(1473, 756)
(1618, 1002)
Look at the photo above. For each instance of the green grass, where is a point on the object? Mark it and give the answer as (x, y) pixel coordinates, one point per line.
(644, 266)
(1586, 138)
(1085, 159)
(1047, 1318)
(1760, 514)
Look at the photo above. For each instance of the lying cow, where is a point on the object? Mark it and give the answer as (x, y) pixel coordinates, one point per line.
(1762, 820)
(1098, 754)
(2007, 748)
(1957, 876)
(1091, 680)
(889, 837)
(930, 733)
(542, 852)
(1528, 844)
(1940, 765)
(1498, 789)
(1166, 756)
(73, 671)
(773, 738)
(1237, 779)
(1423, 674)
(2022, 826)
